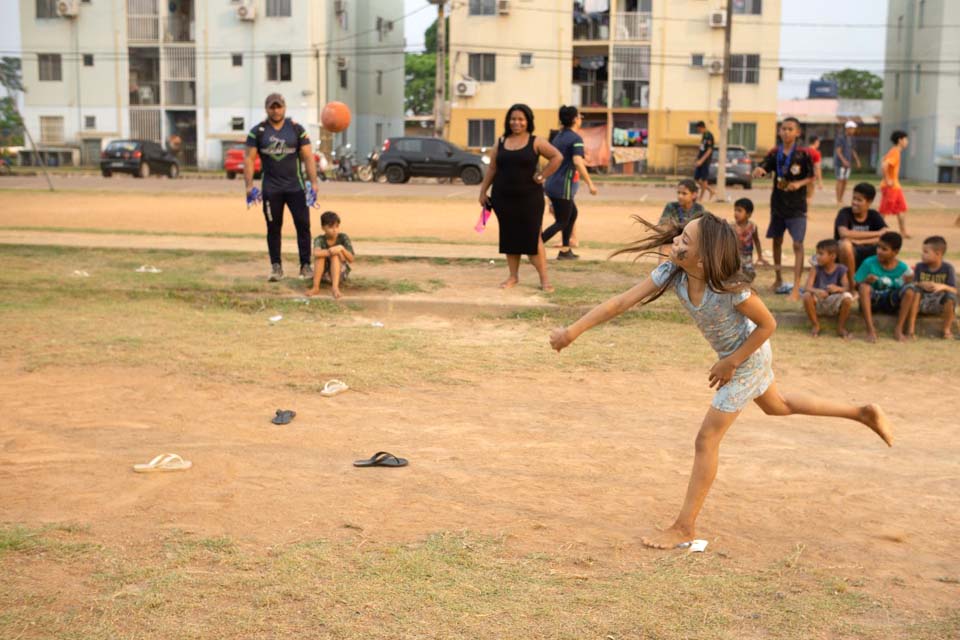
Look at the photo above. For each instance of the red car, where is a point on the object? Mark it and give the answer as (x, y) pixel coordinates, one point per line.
(233, 162)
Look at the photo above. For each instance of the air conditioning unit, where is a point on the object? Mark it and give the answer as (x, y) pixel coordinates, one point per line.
(247, 11)
(465, 88)
(503, 7)
(342, 63)
(718, 19)
(339, 6)
(68, 8)
(714, 66)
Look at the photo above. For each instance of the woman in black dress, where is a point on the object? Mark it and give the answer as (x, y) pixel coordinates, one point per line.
(517, 198)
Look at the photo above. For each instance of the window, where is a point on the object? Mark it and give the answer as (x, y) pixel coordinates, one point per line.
(744, 68)
(749, 7)
(481, 133)
(916, 88)
(46, 9)
(920, 7)
(50, 70)
(896, 85)
(526, 60)
(692, 128)
(278, 67)
(696, 59)
(237, 59)
(51, 129)
(379, 83)
(744, 134)
(483, 7)
(236, 123)
(435, 148)
(90, 122)
(409, 145)
(343, 78)
(88, 59)
(956, 142)
(899, 28)
(279, 8)
(378, 134)
(380, 29)
(483, 67)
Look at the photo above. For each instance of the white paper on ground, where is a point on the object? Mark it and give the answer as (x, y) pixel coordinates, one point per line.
(276, 318)
(377, 324)
(698, 546)
(146, 268)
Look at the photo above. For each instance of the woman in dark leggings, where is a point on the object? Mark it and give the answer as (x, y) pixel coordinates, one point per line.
(561, 187)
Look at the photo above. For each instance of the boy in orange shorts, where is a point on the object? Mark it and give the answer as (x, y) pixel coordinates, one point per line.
(892, 202)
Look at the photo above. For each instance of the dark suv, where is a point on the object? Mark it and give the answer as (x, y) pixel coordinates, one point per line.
(137, 157)
(404, 158)
(739, 167)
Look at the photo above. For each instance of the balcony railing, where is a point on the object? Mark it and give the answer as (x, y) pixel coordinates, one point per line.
(632, 26)
(631, 94)
(592, 94)
(182, 93)
(591, 26)
(179, 29)
(143, 28)
(145, 93)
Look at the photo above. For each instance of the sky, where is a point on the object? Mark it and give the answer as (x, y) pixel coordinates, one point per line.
(806, 51)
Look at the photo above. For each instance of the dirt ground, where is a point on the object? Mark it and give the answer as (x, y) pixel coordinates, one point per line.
(576, 454)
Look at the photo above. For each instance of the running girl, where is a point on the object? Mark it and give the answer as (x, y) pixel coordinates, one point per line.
(704, 272)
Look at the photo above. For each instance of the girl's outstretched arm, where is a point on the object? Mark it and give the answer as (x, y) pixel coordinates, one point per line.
(753, 308)
(561, 337)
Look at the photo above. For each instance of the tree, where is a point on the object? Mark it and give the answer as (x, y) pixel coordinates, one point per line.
(11, 124)
(420, 76)
(430, 38)
(856, 84)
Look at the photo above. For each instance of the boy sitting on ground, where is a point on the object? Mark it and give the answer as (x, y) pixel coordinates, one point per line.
(933, 292)
(827, 292)
(685, 209)
(857, 229)
(747, 236)
(880, 280)
(334, 254)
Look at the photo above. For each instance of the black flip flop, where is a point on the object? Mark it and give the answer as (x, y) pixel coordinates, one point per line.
(284, 416)
(381, 459)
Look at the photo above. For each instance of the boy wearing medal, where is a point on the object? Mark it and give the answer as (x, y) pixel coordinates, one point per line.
(792, 171)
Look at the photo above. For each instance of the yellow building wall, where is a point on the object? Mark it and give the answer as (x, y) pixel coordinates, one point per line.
(544, 120)
(669, 130)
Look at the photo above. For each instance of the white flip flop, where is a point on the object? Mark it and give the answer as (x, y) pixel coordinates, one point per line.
(333, 387)
(164, 462)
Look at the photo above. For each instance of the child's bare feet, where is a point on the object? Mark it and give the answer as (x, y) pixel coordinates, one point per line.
(312, 292)
(546, 287)
(871, 337)
(843, 333)
(668, 538)
(336, 294)
(776, 285)
(874, 417)
(899, 336)
(947, 334)
(815, 330)
(794, 295)
(509, 283)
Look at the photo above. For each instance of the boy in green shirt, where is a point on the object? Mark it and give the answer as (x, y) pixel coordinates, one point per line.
(880, 280)
(334, 254)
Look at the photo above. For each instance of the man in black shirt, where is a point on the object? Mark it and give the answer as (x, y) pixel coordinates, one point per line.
(792, 170)
(701, 169)
(282, 145)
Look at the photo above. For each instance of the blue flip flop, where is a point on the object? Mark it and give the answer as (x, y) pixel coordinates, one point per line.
(784, 289)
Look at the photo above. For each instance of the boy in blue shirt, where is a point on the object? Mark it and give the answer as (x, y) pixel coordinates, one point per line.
(880, 280)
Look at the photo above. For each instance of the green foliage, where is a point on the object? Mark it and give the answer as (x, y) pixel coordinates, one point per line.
(10, 78)
(430, 38)
(420, 72)
(11, 124)
(856, 84)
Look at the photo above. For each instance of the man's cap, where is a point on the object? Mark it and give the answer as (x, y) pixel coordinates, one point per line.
(850, 124)
(274, 98)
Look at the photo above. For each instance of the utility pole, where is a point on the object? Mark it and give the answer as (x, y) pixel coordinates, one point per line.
(724, 107)
(440, 81)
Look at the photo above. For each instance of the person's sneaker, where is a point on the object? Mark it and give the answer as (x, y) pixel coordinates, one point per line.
(567, 255)
(306, 272)
(276, 272)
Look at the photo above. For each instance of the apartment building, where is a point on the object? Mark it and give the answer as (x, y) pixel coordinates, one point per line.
(198, 70)
(921, 87)
(643, 72)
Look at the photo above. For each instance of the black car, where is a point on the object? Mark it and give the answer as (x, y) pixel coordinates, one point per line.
(404, 158)
(739, 167)
(139, 158)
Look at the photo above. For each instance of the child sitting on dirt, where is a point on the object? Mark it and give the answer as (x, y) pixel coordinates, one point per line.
(747, 236)
(880, 280)
(686, 208)
(334, 254)
(827, 292)
(934, 289)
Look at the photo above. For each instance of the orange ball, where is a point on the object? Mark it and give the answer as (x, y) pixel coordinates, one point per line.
(335, 117)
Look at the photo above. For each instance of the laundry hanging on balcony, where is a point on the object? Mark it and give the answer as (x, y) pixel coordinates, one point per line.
(592, 63)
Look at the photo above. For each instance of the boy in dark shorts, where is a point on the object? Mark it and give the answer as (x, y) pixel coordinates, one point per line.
(792, 171)
(857, 229)
(880, 280)
(933, 291)
(748, 237)
(701, 167)
(828, 290)
(334, 254)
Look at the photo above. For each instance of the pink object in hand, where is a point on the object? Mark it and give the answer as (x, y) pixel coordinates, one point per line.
(482, 222)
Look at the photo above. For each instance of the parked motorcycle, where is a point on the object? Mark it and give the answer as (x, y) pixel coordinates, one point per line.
(368, 172)
(344, 163)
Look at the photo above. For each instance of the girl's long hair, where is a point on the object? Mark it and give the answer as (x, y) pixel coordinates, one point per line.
(717, 247)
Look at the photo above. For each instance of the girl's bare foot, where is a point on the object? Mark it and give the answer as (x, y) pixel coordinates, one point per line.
(843, 333)
(668, 538)
(815, 330)
(546, 287)
(312, 292)
(336, 294)
(874, 417)
(898, 334)
(872, 337)
(509, 283)
(948, 334)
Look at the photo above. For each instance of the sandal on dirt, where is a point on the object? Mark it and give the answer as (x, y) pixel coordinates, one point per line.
(381, 459)
(784, 289)
(284, 416)
(164, 462)
(333, 387)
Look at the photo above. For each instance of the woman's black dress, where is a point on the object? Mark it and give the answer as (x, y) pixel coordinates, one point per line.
(517, 199)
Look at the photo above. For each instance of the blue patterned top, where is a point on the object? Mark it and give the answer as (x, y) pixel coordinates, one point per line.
(717, 317)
